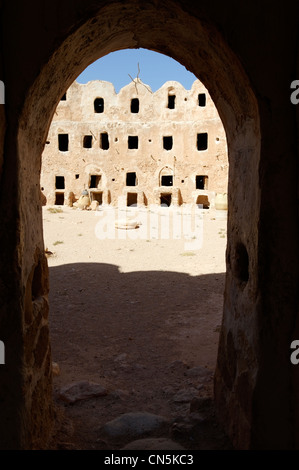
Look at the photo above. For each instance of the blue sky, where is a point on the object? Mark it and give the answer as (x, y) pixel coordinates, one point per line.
(155, 69)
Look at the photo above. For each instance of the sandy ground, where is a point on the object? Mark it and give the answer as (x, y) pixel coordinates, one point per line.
(138, 316)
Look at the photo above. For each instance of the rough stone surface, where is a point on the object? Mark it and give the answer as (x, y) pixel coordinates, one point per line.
(119, 394)
(134, 425)
(81, 391)
(185, 395)
(201, 372)
(161, 443)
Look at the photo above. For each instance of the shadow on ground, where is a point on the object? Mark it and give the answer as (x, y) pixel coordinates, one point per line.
(149, 338)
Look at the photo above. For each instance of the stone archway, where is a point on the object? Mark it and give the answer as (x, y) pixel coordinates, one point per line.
(200, 47)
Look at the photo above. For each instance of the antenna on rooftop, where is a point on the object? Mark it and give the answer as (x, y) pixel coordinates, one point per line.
(137, 81)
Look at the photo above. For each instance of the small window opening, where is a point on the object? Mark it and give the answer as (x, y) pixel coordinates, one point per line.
(59, 182)
(165, 199)
(132, 199)
(167, 142)
(63, 98)
(202, 100)
(59, 199)
(167, 180)
(98, 105)
(131, 179)
(87, 141)
(133, 142)
(201, 182)
(94, 181)
(134, 105)
(63, 142)
(77, 176)
(202, 141)
(171, 102)
(104, 141)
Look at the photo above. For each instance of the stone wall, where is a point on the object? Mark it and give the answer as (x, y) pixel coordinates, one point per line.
(137, 143)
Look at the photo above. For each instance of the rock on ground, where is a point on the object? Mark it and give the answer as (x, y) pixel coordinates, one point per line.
(133, 425)
(185, 395)
(200, 372)
(81, 391)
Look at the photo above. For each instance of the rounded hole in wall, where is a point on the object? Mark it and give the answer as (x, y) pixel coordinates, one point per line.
(241, 263)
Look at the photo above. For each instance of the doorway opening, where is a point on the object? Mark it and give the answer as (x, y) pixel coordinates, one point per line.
(167, 180)
(99, 105)
(59, 198)
(203, 200)
(165, 199)
(131, 199)
(171, 192)
(95, 181)
(171, 101)
(202, 141)
(59, 182)
(201, 182)
(104, 141)
(87, 141)
(135, 105)
(97, 196)
(167, 142)
(63, 142)
(131, 179)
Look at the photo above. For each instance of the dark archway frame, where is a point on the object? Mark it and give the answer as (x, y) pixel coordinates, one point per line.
(201, 49)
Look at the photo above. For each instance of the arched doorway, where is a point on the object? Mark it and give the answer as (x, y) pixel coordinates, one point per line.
(200, 47)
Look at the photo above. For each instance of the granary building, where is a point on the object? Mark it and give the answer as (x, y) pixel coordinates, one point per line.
(135, 147)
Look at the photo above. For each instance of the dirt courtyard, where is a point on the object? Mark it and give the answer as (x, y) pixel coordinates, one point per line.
(139, 318)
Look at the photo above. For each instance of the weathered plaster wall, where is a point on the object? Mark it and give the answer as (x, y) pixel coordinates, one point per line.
(76, 117)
